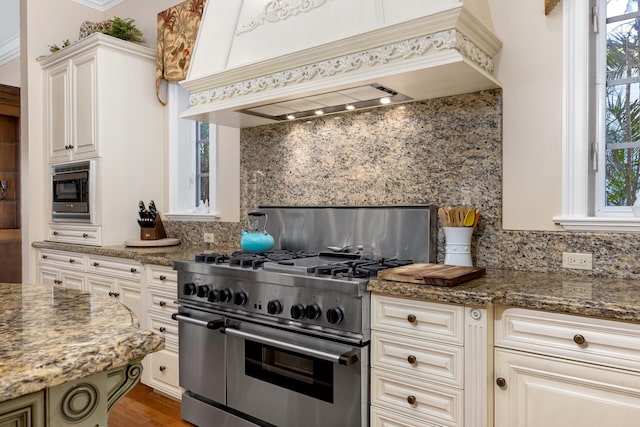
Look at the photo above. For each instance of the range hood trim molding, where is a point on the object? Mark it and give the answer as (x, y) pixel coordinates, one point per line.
(458, 18)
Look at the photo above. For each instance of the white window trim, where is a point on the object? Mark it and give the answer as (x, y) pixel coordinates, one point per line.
(577, 183)
(177, 213)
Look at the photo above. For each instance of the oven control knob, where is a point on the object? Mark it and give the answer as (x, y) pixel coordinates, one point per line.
(240, 298)
(225, 295)
(297, 311)
(214, 296)
(313, 311)
(203, 291)
(189, 288)
(274, 307)
(335, 315)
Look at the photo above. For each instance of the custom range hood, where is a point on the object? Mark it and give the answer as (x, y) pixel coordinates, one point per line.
(257, 61)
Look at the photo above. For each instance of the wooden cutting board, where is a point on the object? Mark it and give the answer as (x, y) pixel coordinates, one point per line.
(432, 274)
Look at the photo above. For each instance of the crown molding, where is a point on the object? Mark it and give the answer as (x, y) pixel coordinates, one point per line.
(10, 49)
(100, 5)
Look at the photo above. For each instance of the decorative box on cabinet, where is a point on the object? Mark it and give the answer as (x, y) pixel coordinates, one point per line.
(161, 368)
(59, 268)
(561, 370)
(100, 104)
(429, 364)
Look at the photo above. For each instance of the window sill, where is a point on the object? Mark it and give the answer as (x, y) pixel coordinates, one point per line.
(595, 223)
(191, 216)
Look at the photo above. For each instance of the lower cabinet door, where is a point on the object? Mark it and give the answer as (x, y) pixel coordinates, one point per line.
(163, 375)
(538, 391)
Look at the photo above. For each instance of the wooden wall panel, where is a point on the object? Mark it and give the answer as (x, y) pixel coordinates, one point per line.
(10, 262)
(9, 129)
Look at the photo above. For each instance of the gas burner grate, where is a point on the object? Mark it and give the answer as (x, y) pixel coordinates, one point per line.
(212, 258)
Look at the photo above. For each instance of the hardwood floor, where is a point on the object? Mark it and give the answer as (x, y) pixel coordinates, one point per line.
(142, 407)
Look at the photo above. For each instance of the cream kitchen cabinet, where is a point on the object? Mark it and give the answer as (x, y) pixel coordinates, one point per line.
(561, 370)
(117, 278)
(100, 105)
(59, 268)
(161, 368)
(429, 363)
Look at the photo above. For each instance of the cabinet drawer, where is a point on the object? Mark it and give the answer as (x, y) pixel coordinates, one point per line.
(66, 260)
(164, 367)
(432, 402)
(162, 300)
(81, 234)
(114, 267)
(428, 360)
(166, 327)
(600, 341)
(420, 319)
(161, 277)
(383, 418)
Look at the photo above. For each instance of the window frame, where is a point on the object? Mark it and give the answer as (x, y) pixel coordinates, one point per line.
(580, 149)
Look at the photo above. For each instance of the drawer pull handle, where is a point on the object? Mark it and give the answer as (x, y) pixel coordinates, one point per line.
(162, 329)
(162, 368)
(85, 235)
(411, 400)
(412, 318)
(163, 277)
(71, 260)
(412, 359)
(579, 339)
(501, 382)
(162, 303)
(133, 269)
(96, 264)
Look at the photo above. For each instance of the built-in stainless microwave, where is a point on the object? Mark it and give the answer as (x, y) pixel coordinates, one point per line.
(71, 192)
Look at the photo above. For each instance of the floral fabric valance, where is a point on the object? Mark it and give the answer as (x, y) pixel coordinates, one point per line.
(177, 31)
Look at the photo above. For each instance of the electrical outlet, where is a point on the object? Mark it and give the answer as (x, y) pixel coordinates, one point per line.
(579, 261)
(208, 237)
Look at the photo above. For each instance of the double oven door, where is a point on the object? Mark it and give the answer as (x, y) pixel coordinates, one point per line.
(246, 374)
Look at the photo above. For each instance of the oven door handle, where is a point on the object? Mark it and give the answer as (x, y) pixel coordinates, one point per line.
(347, 358)
(210, 324)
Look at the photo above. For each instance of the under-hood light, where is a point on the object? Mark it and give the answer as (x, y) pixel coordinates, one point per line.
(340, 101)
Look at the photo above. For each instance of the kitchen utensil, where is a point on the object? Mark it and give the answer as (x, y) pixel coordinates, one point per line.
(141, 210)
(469, 218)
(432, 274)
(152, 209)
(476, 218)
(443, 217)
(255, 240)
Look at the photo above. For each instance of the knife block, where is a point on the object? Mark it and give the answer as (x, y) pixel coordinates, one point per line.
(155, 233)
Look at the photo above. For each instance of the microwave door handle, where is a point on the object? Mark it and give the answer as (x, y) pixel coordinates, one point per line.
(347, 358)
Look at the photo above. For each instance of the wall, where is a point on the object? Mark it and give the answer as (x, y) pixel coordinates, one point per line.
(10, 73)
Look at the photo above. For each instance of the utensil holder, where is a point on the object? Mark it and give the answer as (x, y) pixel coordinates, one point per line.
(458, 246)
(153, 233)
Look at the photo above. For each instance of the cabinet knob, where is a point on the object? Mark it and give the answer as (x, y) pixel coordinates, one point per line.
(411, 399)
(85, 235)
(412, 318)
(44, 257)
(163, 277)
(116, 294)
(162, 303)
(95, 264)
(162, 329)
(55, 233)
(133, 269)
(162, 368)
(110, 293)
(71, 260)
(501, 382)
(579, 339)
(411, 359)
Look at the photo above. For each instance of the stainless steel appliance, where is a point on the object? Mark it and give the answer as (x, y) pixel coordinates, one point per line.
(282, 338)
(71, 192)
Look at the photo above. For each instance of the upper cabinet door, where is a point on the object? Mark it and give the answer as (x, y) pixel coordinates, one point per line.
(84, 106)
(57, 108)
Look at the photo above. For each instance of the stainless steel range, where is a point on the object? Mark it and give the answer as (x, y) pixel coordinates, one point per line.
(282, 338)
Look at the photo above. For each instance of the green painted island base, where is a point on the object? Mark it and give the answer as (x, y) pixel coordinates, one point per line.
(84, 402)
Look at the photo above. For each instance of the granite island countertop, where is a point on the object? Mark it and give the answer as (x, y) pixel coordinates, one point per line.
(607, 298)
(51, 335)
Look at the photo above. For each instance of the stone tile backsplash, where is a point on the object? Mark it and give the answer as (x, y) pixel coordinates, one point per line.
(445, 151)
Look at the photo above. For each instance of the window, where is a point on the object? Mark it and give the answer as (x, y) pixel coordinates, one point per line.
(600, 145)
(204, 164)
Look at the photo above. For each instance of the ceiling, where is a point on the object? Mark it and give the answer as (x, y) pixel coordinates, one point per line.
(10, 25)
